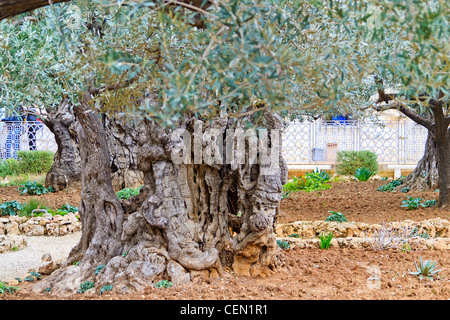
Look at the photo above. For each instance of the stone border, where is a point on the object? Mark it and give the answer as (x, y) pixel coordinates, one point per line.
(310, 229)
(360, 234)
(49, 225)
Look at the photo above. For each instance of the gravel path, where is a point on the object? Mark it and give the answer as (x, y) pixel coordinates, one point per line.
(17, 263)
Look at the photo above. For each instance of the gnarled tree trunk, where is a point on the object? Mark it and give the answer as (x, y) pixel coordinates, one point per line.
(425, 176)
(191, 217)
(66, 170)
(121, 136)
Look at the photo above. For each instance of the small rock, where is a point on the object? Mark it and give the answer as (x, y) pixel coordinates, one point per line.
(46, 257)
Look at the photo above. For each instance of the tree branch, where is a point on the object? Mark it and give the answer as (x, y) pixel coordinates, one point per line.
(410, 113)
(10, 8)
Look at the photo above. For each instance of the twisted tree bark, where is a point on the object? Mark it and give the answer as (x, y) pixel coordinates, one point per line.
(121, 136)
(190, 218)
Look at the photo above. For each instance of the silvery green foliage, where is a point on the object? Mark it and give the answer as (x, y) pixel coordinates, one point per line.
(294, 57)
(425, 269)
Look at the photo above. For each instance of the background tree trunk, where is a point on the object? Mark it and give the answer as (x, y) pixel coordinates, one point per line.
(189, 219)
(65, 171)
(121, 136)
(425, 176)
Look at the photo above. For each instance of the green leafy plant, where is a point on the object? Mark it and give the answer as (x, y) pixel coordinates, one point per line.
(325, 240)
(85, 286)
(128, 192)
(163, 284)
(347, 162)
(5, 288)
(311, 181)
(411, 203)
(405, 190)
(429, 203)
(363, 174)
(391, 185)
(33, 277)
(99, 268)
(425, 269)
(336, 216)
(284, 245)
(34, 189)
(10, 208)
(106, 288)
(69, 208)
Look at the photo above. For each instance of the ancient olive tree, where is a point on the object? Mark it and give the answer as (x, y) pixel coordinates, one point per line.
(150, 68)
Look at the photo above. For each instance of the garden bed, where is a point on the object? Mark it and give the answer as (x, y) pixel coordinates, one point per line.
(341, 272)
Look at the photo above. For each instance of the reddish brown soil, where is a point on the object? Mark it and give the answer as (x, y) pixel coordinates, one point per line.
(337, 273)
(53, 200)
(358, 201)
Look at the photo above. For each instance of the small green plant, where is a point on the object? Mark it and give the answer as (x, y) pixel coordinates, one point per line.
(363, 174)
(10, 208)
(415, 233)
(33, 204)
(5, 288)
(99, 268)
(33, 277)
(34, 189)
(425, 269)
(284, 245)
(85, 286)
(311, 181)
(128, 192)
(69, 208)
(163, 284)
(106, 288)
(429, 203)
(411, 203)
(294, 235)
(325, 240)
(336, 216)
(405, 190)
(390, 186)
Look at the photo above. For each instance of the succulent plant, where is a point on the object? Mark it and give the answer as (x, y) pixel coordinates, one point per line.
(425, 269)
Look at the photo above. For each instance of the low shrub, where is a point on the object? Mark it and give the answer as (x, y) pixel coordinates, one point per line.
(348, 161)
(35, 162)
(28, 162)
